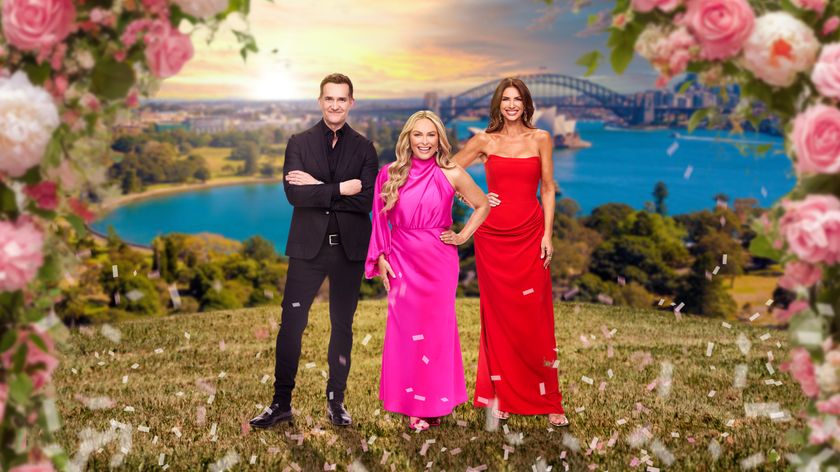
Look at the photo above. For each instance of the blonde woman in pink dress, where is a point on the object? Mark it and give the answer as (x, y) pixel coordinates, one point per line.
(414, 252)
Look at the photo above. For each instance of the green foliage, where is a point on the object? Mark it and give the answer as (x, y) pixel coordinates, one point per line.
(259, 249)
(605, 219)
(110, 79)
(660, 193)
(635, 258)
(704, 294)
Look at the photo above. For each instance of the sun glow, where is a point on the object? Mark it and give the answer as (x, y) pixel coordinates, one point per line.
(276, 83)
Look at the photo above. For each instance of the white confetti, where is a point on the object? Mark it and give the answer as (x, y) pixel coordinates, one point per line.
(528, 292)
(417, 337)
(295, 304)
(743, 344)
(672, 149)
(115, 271)
(688, 171)
(366, 340)
(740, 380)
(542, 388)
(725, 257)
(752, 461)
(709, 347)
(113, 334)
(174, 296)
(425, 360)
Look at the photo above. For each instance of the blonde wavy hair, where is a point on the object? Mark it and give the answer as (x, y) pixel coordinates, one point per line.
(398, 171)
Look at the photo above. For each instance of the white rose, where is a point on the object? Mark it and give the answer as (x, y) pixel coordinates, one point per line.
(85, 59)
(203, 9)
(779, 48)
(28, 117)
(827, 378)
(648, 40)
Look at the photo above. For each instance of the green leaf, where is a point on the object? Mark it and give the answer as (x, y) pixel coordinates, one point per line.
(820, 183)
(8, 340)
(20, 389)
(111, 80)
(762, 247)
(590, 60)
(248, 43)
(32, 176)
(78, 225)
(11, 304)
(685, 86)
(8, 204)
(696, 118)
(19, 357)
(45, 214)
(50, 270)
(38, 73)
(52, 156)
(621, 56)
(39, 342)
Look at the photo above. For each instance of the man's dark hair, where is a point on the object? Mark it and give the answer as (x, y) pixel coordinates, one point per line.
(336, 78)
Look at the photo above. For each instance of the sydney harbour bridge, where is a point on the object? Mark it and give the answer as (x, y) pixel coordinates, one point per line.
(569, 93)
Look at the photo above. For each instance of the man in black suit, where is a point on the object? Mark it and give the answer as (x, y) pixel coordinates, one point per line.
(330, 171)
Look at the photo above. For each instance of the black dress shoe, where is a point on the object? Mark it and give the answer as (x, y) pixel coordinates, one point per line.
(271, 416)
(338, 414)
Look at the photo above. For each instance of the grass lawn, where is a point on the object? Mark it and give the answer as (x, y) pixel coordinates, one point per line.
(754, 290)
(217, 159)
(231, 356)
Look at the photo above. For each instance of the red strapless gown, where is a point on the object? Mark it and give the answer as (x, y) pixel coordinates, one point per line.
(516, 350)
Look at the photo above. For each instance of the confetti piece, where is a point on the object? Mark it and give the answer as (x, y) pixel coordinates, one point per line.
(112, 334)
(425, 360)
(309, 365)
(176, 431)
(528, 292)
(295, 304)
(755, 316)
(711, 393)
(483, 400)
(134, 295)
(725, 257)
(666, 373)
(726, 325)
(417, 337)
(809, 338)
(621, 422)
(587, 380)
(770, 368)
(580, 409)
(752, 461)
(366, 340)
(714, 449)
(688, 171)
(115, 271)
(187, 335)
(253, 459)
(409, 390)
(174, 296)
(709, 347)
(672, 149)
(542, 388)
(420, 398)
(743, 344)
(264, 379)
(740, 380)
(716, 270)
(495, 378)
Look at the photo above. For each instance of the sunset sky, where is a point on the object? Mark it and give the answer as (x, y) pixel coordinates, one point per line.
(396, 49)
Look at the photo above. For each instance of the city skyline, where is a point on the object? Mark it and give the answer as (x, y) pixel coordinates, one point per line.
(379, 45)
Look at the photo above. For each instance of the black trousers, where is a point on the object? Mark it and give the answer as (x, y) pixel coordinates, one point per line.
(303, 280)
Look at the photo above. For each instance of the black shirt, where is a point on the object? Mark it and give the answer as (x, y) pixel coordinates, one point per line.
(334, 154)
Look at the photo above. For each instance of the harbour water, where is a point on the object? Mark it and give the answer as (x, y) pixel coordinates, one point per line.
(621, 166)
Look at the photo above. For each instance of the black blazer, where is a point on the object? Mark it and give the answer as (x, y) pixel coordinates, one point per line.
(313, 203)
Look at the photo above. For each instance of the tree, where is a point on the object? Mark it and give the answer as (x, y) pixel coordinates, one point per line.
(267, 170)
(131, 183)
(245, 151)
(259, 249)
(202, 173)
(606, 218)
(567, 206)
(660, 193)
(703, 294)
(636, 258)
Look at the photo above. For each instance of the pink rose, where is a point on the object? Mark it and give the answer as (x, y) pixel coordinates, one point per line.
(720, 26)
(33, 25)
(813, 5)
(89, 101)
(44, 194)
(39, 364)
(826, 73)
(167, 49)
(21, 246)
(645, 6)
(132, 99)
(822, 432)
(800, 274)
(795, 307)
(830, 406)
(830, 25)
(812, 228)
(39, 467)
(802, 369)
(4, 396)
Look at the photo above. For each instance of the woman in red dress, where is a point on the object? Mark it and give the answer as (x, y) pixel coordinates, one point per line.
(517, 372)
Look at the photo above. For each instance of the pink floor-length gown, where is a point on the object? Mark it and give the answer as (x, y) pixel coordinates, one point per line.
(422, 368)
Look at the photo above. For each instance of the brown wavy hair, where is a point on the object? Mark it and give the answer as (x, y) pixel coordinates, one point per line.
(497, 121)
(398, 171)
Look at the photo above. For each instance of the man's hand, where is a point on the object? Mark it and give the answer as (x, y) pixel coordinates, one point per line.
(299, 177)
(350, 187)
